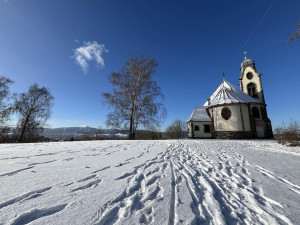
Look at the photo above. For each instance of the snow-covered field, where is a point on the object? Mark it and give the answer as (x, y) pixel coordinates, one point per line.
(158, 182)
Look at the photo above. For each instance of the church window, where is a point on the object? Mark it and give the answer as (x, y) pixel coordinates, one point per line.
(226, 113)
(206, 128)
(196, 128)
(263, 112)
(249, 76)
(255, 112)
(252, 90)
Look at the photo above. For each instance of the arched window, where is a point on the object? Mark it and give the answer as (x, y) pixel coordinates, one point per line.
(226, 113)
(252, 90)
(255, 112)
(263, 112)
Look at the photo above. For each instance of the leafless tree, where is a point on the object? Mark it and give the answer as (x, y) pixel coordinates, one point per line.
(296, 35)
(134, 96)
(33, 108)
(5, 107)
(178, 129)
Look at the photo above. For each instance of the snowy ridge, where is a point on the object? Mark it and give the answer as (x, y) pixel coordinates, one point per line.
(226, 93)
(148, 182)
(199, 114)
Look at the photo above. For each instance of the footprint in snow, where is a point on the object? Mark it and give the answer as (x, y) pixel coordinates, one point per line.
(146, 217)
(35, 214)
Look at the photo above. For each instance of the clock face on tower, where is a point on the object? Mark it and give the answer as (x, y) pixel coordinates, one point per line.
(249, 76)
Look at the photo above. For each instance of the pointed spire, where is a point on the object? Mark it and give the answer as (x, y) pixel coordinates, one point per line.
(245, 53)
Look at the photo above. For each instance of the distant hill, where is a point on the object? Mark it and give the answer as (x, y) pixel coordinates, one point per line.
(75, 132)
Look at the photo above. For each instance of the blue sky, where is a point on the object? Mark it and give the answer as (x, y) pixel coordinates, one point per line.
(193, 42)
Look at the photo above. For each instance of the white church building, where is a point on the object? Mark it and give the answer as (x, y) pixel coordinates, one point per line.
(233, 113)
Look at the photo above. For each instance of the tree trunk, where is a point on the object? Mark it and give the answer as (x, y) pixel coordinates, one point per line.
(23, 130)
(132, 135)
(131, 127)
(131, 131)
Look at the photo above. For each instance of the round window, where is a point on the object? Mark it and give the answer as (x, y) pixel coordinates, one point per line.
(249, 76)
(226, 113)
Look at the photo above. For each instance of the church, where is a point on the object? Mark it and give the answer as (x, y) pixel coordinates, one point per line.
(232, 113)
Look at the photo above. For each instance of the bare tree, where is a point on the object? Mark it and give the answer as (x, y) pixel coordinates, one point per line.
(134, 96)
(34, 108)
(296, 35)
(5, 107)
(178, 129)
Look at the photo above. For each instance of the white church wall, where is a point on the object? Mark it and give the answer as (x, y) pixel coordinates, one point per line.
(234, 123)
(189, 129)
(201, 133)
(246, 118)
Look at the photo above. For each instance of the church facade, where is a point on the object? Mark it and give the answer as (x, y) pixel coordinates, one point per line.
(233, 113)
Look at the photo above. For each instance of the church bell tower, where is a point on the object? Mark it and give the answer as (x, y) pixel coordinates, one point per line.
(250, 80)
(250, 83)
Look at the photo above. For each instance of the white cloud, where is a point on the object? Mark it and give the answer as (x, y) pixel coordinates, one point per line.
(90, 51)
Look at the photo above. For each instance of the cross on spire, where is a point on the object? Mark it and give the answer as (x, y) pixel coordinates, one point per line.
(245, 53)
(223, 76)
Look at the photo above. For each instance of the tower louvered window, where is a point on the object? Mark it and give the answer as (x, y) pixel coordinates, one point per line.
(252, 90)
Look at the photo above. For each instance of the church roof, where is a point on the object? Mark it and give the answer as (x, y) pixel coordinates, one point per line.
(226, 93)
(199, 114)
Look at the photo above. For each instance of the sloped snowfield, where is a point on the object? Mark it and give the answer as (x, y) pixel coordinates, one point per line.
(150, 182)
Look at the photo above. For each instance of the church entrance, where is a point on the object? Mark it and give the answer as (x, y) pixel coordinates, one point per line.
(260, 131)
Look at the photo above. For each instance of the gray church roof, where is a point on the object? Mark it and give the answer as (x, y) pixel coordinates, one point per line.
(199, 114)
(226, 93)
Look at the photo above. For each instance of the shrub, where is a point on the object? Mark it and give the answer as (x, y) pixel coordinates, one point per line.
(288, 135)
(177, 130)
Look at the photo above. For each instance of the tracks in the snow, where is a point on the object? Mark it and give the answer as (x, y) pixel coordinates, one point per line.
(26, 196)
(137, 199)
(190, 182)
(227, 185)
(206, 186)
(35, 214)
(293, 187)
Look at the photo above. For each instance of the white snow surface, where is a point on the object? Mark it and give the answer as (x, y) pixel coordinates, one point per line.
(199, 114)
(150, 182)
(226, 93)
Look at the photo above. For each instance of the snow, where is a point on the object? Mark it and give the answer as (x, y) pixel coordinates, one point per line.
(144, 182)
(226, 93)
(199, 114)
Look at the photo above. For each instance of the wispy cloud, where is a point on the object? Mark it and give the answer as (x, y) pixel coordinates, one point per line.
(89, 52)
